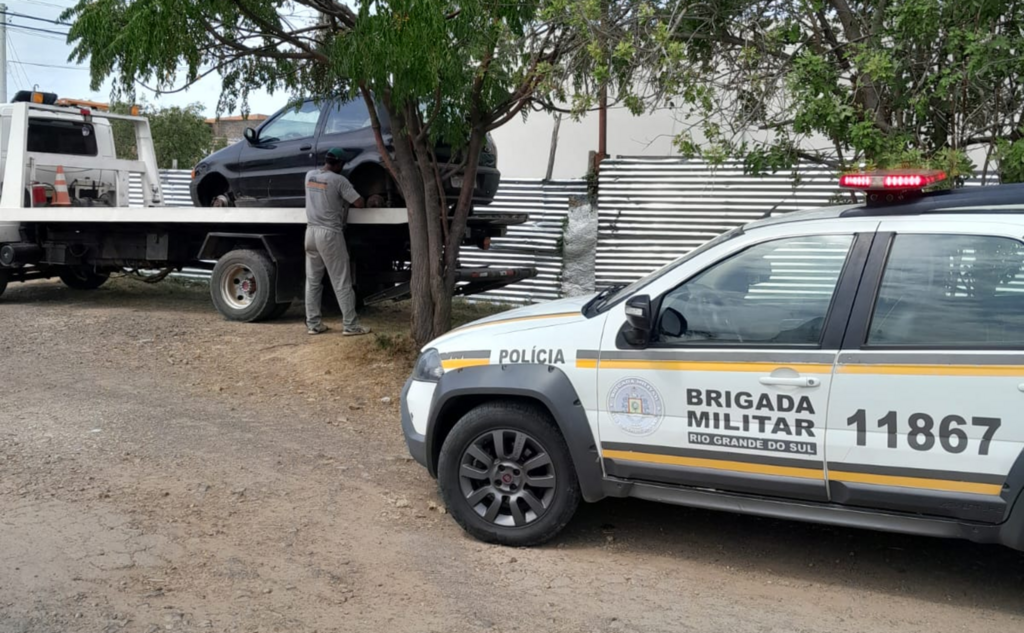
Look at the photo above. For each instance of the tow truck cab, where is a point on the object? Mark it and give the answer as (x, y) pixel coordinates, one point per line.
(55, 132)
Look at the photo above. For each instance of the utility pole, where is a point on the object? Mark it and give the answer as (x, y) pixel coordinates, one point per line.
(602, 113)
(3, 52)
(554, 146)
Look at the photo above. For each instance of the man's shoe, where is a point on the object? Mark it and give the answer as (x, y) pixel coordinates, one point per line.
(356, 331)
(320, 329)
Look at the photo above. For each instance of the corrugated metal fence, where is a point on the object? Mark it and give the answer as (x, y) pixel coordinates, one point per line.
(537, 243)
(652, 211)
(174, 183)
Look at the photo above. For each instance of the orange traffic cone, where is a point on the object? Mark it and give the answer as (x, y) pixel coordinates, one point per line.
(60, 185)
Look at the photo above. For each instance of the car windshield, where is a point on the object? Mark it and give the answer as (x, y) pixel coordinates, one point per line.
(619, 294)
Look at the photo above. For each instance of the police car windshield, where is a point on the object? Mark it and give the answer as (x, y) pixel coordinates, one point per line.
(627, 291)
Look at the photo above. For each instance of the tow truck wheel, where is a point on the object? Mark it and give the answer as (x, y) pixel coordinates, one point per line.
(243, 286)
(506, 475)
(82, 278)
(280, 310)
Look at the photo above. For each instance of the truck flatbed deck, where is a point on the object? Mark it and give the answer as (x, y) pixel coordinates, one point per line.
(259, 251)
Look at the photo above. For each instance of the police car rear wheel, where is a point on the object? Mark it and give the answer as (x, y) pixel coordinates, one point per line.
(506, 475)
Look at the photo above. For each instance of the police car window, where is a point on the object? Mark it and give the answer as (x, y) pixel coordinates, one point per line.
(951, 291)
(627, 291)
(347, 117)
(292, 124)
(775, 293)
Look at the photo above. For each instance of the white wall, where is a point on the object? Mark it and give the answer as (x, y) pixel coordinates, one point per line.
(523, 147)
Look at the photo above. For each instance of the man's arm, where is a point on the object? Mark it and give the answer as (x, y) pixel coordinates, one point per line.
(349, 193)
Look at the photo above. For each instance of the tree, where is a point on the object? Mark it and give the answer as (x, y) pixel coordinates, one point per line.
(440, 69)
(178, 134)
(841, 82)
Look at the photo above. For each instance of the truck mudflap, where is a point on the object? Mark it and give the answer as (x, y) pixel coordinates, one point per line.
(469, 281)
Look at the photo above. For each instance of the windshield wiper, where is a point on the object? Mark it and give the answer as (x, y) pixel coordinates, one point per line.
(598, 301)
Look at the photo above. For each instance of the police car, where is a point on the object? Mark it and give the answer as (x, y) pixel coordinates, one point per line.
(859, 366)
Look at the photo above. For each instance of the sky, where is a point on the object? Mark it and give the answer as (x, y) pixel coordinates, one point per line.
(41, 58)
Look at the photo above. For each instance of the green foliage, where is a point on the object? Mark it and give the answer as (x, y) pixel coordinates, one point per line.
(846, 81)
(1010, 155)
(178, 133)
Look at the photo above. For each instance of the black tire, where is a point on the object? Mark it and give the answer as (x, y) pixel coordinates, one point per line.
(279, 310)
(5, 276)
(470, 437)
(80, 278)
(243, 286)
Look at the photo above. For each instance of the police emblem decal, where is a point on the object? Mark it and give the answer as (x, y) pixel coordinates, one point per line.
(636, 406)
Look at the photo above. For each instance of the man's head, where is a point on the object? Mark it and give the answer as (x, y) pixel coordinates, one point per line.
(335, 160)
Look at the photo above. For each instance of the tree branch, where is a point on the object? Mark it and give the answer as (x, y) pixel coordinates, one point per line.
(377, 134)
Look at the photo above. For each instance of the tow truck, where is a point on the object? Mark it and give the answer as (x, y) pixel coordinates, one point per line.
(256, 254)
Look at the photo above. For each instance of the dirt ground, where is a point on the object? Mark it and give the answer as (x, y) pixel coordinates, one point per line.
(162, 469)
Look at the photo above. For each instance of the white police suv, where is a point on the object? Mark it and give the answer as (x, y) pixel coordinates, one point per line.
(859, 365)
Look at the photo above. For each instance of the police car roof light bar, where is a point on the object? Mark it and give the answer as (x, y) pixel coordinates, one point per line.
(901, 180)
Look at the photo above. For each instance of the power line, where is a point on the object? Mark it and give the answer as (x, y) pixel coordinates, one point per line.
(15, 29)
(17, 68)
(32, 17)
(32, 28)
(50, 66)
(46, 4)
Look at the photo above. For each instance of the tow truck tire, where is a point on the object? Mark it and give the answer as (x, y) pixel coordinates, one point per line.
(531, 477)
(243, 284)
(82, 278)
(280, 309)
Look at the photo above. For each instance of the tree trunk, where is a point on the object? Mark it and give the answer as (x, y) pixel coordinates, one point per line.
(464, 206)
(436, 216)
(420, 252)
(434, 259)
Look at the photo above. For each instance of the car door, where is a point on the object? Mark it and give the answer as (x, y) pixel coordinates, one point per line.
(272, 170)
(732, 392)
(927, 407)
(346, 125)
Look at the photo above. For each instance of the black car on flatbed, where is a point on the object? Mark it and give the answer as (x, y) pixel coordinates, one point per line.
(268, 167)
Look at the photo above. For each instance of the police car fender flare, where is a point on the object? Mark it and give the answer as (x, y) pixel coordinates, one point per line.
(547, 385)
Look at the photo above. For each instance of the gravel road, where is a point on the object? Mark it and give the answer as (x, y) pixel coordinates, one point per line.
(162, 469)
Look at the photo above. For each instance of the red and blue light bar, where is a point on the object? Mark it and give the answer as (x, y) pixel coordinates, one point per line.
(893, 180)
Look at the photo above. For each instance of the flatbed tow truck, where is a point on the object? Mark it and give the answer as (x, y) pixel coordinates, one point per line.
(256, 254)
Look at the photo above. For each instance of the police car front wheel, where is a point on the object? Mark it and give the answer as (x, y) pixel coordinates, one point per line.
(506, 475)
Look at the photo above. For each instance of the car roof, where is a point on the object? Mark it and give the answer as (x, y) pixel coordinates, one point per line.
(994, 199)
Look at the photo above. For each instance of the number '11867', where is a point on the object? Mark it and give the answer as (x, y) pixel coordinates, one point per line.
(922, 434)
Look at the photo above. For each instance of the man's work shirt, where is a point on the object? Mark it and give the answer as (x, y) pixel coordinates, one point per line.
(328, 196)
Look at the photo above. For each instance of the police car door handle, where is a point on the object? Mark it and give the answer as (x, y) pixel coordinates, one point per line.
(305, 147)
(790, 382)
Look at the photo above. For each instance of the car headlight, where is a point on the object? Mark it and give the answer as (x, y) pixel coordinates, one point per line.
(428, 367)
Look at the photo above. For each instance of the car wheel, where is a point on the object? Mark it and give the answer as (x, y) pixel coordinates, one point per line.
(506, 475)
(5, 276)
(243, 286)
(80, 278)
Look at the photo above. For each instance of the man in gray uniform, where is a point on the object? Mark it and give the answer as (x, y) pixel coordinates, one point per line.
(328, 196)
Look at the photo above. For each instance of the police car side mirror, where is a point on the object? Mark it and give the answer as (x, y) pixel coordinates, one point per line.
(672, 323)
(638, 318)
(250, 135)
